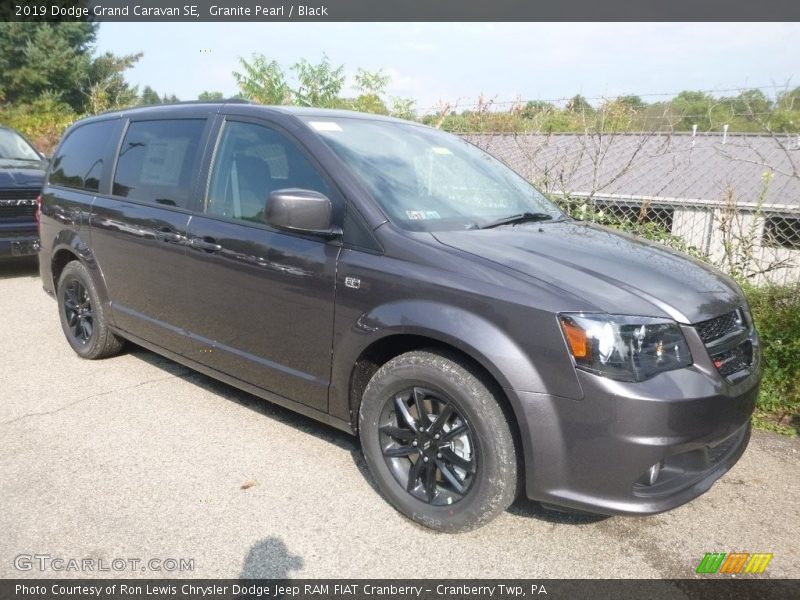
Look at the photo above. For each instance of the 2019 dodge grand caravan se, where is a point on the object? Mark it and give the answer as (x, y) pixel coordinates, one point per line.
(400, 284)
(22, 171)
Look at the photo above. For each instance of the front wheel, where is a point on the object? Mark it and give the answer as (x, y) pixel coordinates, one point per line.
(438, 442)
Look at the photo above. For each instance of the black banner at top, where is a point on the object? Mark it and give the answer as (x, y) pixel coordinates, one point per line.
(399, 10)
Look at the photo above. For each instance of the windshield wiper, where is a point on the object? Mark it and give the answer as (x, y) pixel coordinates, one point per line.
(520, 218)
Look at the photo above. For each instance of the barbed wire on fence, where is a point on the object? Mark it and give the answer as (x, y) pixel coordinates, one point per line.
(520, 100)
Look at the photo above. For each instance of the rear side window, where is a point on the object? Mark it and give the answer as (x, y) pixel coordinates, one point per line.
(80, 159)
(156, 161)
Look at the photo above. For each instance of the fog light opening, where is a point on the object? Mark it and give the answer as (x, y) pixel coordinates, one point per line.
(653, 473)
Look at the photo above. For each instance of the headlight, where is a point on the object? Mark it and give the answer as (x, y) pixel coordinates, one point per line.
(623, 347)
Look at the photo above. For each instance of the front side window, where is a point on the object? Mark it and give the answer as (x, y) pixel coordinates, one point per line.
(79, 161)
(156, 161)
(251, 162)
(426, 180)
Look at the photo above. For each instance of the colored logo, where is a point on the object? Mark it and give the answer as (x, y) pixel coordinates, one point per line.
(734, 562)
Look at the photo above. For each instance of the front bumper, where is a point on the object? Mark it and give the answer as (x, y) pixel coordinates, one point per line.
(594, 454)
(19, 246)
(17, 240)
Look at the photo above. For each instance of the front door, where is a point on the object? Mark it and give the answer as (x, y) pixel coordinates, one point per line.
(261, 301)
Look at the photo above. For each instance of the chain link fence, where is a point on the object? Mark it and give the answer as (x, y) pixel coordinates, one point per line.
(730, 199)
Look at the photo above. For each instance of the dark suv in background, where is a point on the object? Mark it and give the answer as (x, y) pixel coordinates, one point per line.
(22, 170)
(398, 283)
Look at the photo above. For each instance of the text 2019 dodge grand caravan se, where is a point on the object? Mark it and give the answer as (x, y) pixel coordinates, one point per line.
(398, 283)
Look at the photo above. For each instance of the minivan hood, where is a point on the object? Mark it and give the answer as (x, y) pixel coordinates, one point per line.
(614, 272)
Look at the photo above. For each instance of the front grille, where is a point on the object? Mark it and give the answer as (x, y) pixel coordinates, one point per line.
(719, 327)
(727, 338)
(734, 360)
(28, 194)
(17, 210)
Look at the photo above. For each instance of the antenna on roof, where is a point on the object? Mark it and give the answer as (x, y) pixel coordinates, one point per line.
(724, 133)
(694, 133)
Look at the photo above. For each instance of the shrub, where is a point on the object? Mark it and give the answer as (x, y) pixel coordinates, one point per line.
(776, 312)
(42, 121)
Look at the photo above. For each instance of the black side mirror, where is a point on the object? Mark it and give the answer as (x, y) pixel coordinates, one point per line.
(301, 211)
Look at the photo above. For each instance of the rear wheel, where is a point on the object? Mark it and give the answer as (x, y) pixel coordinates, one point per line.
(82, 316)
(438, 442)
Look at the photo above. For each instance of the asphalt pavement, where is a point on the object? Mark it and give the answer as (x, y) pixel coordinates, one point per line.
(136, 458)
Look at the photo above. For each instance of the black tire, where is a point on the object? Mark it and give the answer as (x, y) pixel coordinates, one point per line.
(82, 315)
(474, 474)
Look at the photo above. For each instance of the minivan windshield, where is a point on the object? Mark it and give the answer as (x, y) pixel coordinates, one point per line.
(14, 147)
(427, 180)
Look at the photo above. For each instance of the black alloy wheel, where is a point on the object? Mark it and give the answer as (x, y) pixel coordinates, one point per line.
(428, 446)
(438, 440)
(77, 308)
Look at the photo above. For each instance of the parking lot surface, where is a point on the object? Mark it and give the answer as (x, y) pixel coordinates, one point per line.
(137, 457)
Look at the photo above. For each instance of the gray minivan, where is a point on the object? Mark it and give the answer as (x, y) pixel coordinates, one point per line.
(398, 283)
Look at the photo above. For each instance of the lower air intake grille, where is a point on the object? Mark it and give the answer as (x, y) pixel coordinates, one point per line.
(734, 360)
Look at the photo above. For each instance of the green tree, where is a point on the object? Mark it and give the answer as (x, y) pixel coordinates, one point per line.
(579, 105)
(536, 107)
(58, 59)
(149, 96)
(403, 108)
(789, 100)
(371, 87)
(210, 96)
(262, 81)
(750, 102)
(108, 89)
(40, 57)
(318, 85)
(632, 102)
(694, 108)
(786, 114)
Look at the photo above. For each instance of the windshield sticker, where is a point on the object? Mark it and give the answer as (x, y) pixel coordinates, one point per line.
(325, 125)
(441, 150)
(422, 215)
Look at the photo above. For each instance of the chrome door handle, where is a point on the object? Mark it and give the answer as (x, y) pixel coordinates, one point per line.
(168, 235)
(204, 244)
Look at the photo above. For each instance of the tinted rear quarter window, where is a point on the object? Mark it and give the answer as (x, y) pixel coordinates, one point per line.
(157, 159)
(80, 160)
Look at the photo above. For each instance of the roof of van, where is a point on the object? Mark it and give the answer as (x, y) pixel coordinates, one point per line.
(297, 111)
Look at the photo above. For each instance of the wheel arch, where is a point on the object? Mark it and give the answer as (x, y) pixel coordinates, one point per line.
(449, 331)
(388, 329)
(69, 246)
(61, 258)
(385, 348)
